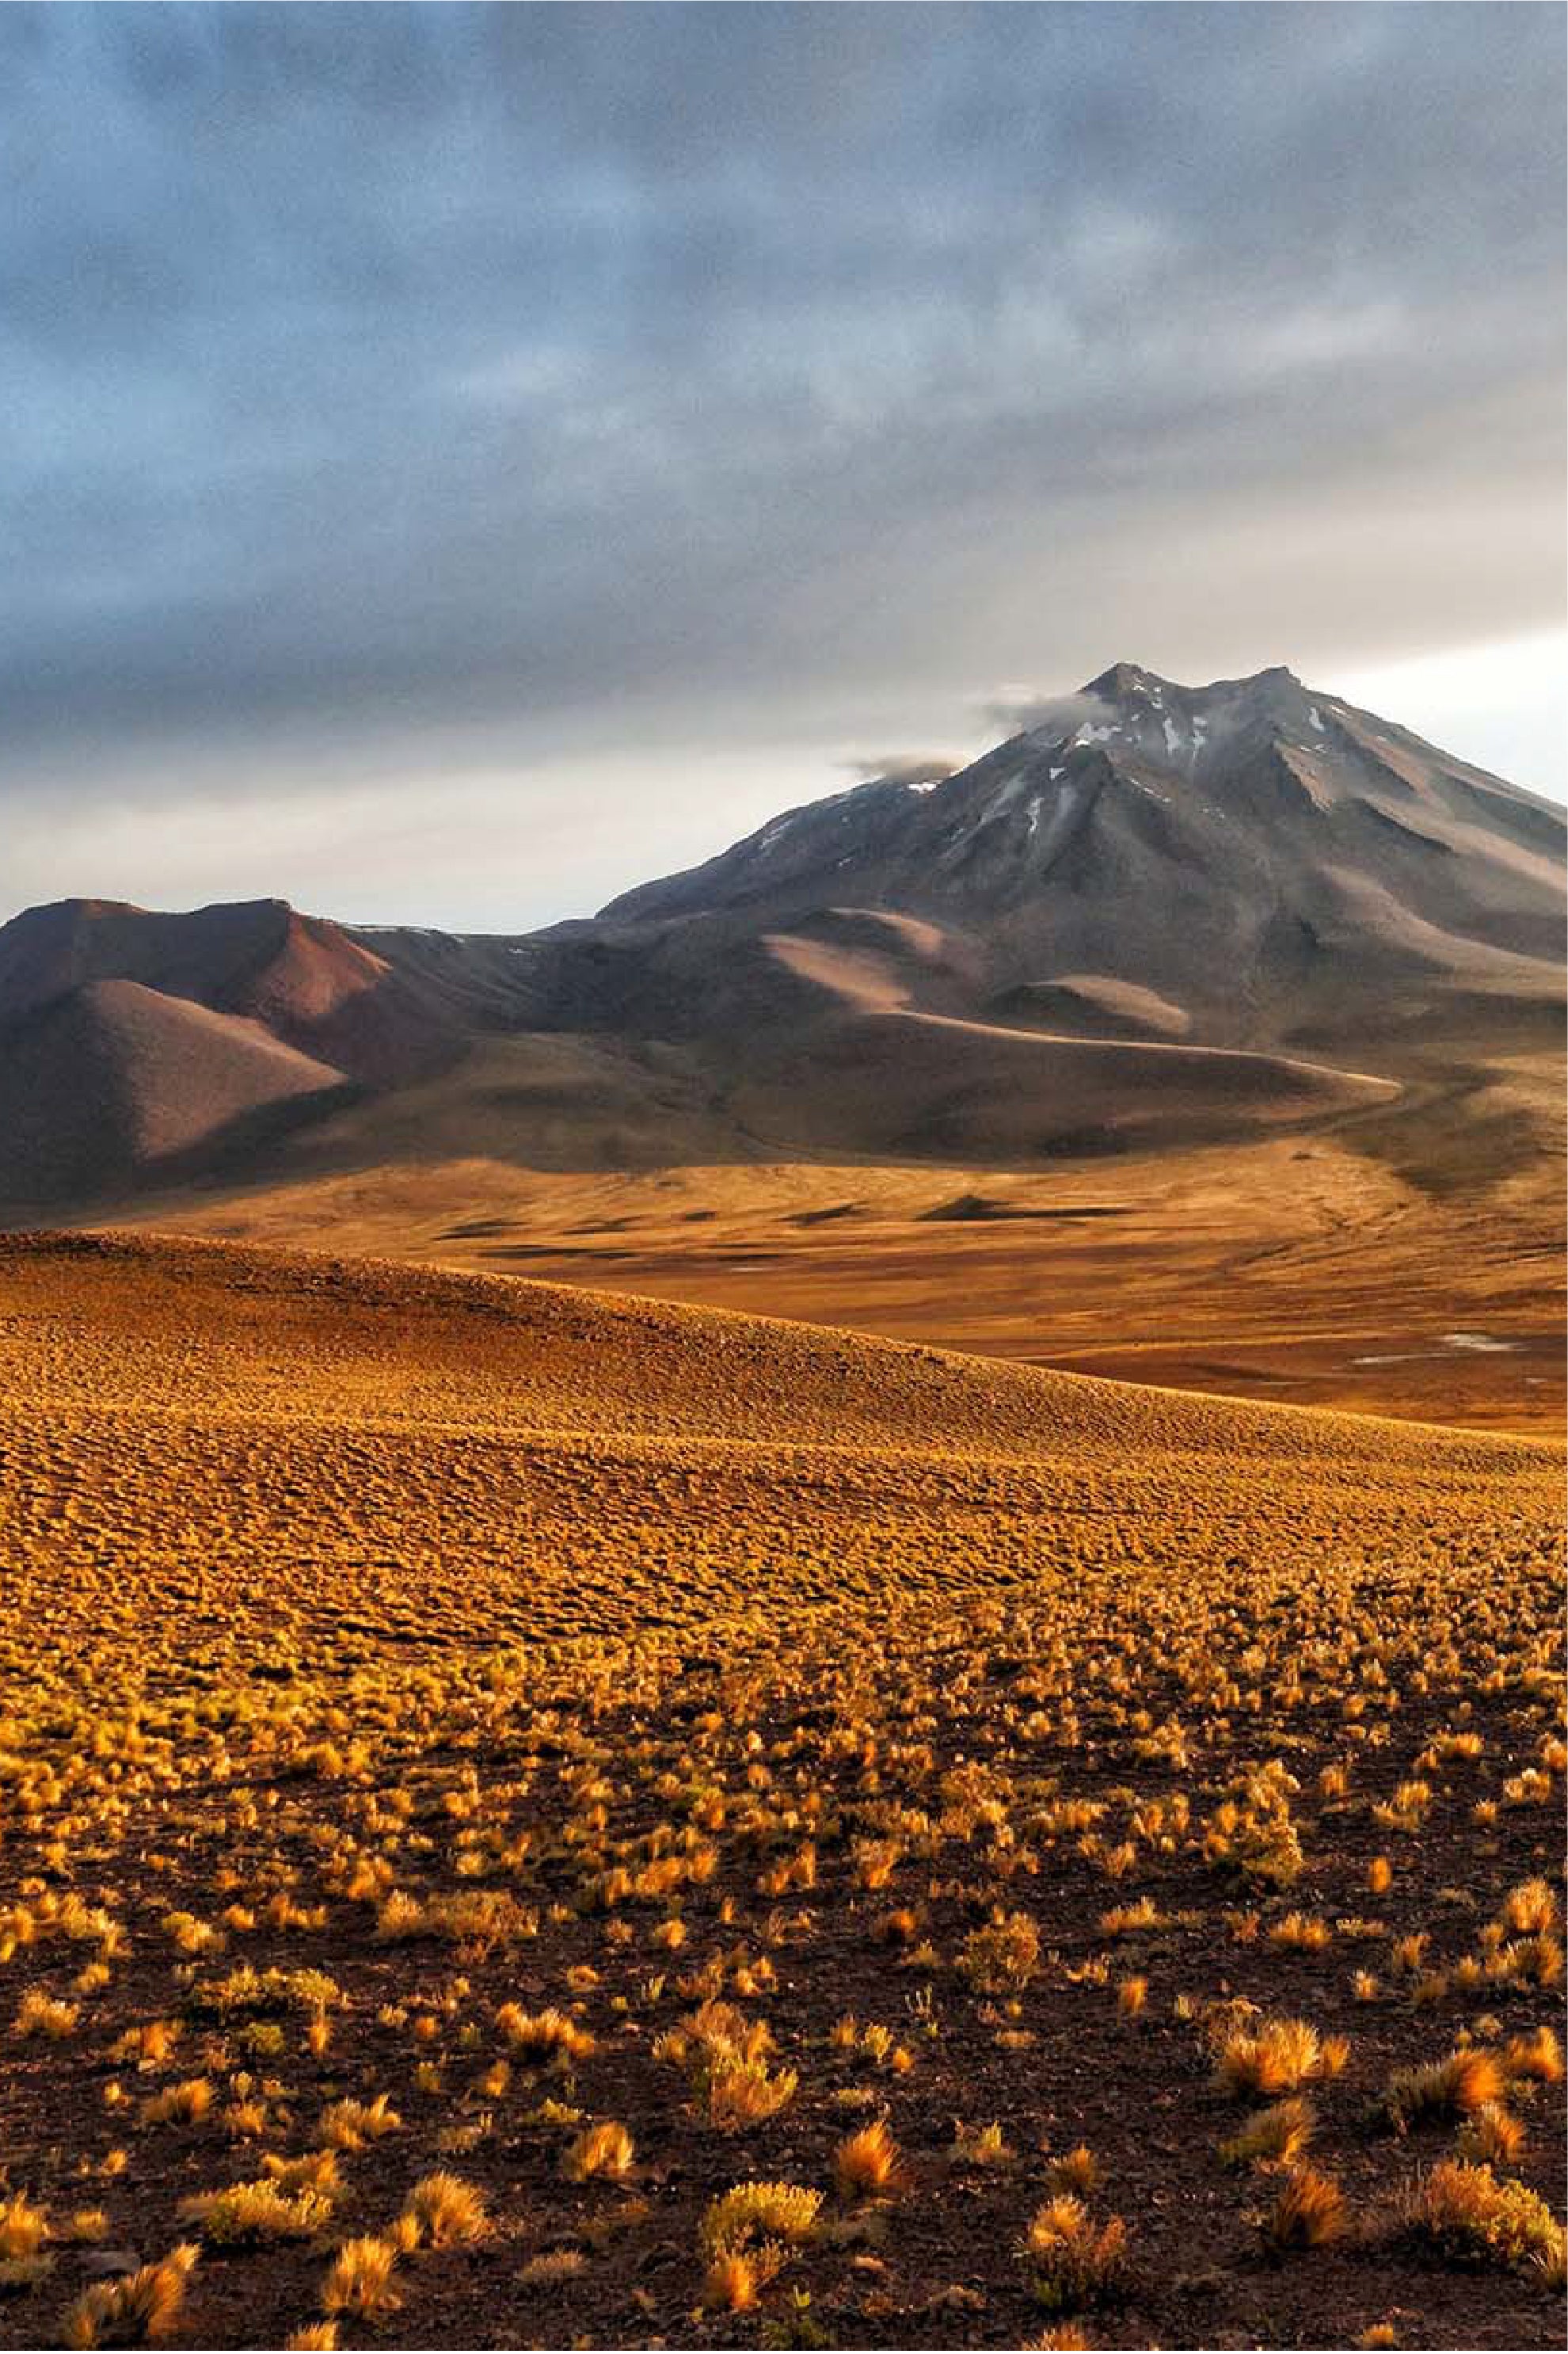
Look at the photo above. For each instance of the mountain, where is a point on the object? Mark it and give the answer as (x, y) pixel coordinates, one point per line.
(112, 1084)
(312, 984)
(1156, 915)
(1222, 849)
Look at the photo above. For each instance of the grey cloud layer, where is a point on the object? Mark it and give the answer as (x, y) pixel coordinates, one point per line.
(382, 368)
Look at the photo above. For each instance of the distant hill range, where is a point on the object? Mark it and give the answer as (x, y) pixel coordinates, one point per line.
(1158, 914)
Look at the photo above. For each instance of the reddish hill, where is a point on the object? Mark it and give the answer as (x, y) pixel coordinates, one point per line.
(113, 1083)
(309, 982)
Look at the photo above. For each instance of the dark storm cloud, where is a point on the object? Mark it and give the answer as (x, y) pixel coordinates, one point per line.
(371, 369)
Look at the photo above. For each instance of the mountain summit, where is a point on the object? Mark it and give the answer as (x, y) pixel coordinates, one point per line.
(1154, 912)
(1222, 844)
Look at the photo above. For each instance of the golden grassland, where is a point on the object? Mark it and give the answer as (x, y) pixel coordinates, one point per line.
(528, 1817)
(1406, 1266)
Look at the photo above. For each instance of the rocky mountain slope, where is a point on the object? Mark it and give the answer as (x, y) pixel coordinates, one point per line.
(1247, 856)
(1155, 914)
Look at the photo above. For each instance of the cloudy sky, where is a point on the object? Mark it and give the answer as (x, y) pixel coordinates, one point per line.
(459, 461)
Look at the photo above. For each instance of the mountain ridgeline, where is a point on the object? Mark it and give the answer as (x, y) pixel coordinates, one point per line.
(1156, 914)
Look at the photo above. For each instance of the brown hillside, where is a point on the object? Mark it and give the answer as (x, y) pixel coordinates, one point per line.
(493, 1457)
(115, 1083)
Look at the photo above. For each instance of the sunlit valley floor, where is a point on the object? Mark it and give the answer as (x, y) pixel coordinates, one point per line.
(1408, 1267)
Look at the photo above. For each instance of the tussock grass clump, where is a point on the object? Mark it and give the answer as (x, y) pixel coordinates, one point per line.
(1530, 1909)
(38, 2014)
(189, 1935)
(552, 2266)
(728, 2059)
(186, 2104)
(1528, 1961)
(737, 2276)
(786, 2211)
(24, 2228)
(1492, 2137)
(1078, 2171)
(747, 2235)
(981, 2145)
(1275, 2058)
(1302, 1933)
(876, 1860)
(349, 2123)
(359, 2279)
(1003, 1955)
(1070, 2261)
(1274, 2136)
(543, 2035)
(1307, 2212)
(447, 2211)
(1127, 1919)
(1454, 2087)
(869, 2164)
(316, 2171)
(248, 1992)
(249, 2214)
(138, 2310)
(742, 2092)
(1537, 2056)
(603, 2150)
(1254, 1837)
(1471, 2217)
(480, 1918)
(149, 2043)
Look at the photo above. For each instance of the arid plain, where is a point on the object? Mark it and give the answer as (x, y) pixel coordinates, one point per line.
(1407, 1265)
(547, 1817)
